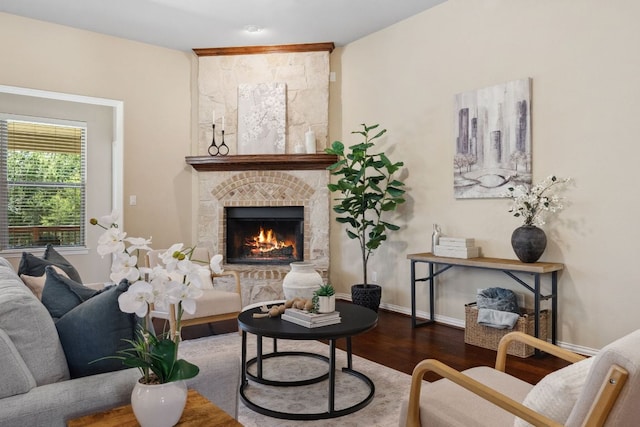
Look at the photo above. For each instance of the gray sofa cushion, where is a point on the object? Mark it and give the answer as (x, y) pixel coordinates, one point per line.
(96, 329)
(30, 327)
(15, 377)
(61, 294)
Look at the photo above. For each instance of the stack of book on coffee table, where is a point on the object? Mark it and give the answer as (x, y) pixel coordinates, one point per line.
(457, 247)
(310, 320)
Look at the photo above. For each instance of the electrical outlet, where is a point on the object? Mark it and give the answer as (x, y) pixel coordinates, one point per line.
(374, 276)
(133, 200)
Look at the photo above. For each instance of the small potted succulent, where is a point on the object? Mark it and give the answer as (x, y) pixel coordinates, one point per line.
(324, 299)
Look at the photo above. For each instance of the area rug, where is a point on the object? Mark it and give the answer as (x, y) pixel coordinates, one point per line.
(391, 386)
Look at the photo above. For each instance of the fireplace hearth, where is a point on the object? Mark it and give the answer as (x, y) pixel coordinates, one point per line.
(264, 234)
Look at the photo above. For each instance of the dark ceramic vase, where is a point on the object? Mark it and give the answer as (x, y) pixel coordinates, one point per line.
(529, 243)
(367, 296)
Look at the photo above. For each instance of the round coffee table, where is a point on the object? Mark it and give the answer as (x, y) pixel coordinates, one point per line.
(355, 320)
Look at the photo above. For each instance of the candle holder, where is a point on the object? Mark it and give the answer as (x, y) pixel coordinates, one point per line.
(217, 150)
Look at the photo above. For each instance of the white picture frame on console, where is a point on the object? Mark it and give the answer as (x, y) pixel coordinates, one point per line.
(262, 117)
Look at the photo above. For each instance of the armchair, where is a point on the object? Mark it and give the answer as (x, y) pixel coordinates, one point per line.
(599, 391)
(213, 306)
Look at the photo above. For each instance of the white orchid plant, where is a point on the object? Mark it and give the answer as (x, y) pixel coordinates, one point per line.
(175, 281)
(533, 204)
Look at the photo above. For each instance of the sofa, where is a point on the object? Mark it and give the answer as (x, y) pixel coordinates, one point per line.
(36, 388)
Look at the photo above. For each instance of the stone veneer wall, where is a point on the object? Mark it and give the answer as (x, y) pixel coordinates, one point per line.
(265, 188)
(306, 75)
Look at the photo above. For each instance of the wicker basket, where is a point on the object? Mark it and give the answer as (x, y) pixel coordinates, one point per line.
(487, 337)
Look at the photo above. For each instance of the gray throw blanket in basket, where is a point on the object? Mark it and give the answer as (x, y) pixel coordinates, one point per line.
(497, 308)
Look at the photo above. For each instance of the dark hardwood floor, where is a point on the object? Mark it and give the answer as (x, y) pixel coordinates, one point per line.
(395, 344)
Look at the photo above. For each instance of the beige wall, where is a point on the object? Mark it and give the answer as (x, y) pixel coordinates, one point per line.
(155, 87)
(584, 62)
(585, 65)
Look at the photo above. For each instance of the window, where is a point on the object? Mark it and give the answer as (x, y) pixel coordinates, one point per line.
(42, 182)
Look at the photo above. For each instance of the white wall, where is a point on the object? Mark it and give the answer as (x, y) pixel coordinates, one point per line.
(585, 65)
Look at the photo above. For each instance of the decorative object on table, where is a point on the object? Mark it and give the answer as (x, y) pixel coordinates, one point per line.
(365, 190)
(529, 241)
(492, 139)
(273, 311)
(159, 404)
(262, 115)
(457, 247)
(435, 237)
(301, 281)
(324, 299)
(310, 319)
(175, 282)
(310, 141)
(278, 309)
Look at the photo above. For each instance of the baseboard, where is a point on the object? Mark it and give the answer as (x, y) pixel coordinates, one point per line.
(459, 323)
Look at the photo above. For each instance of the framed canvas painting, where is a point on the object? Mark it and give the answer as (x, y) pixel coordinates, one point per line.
(262, 115)
(492, 140)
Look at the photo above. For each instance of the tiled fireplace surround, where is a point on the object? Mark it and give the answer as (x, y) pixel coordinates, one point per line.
(306, 188)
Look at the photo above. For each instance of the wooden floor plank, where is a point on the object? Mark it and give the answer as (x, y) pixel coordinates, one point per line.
(395, 344)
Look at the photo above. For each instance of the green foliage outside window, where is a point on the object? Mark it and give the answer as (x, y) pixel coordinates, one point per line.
(44, 195)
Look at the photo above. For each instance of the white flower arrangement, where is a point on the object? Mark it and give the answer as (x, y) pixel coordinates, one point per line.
(175, 281)
(533, 204)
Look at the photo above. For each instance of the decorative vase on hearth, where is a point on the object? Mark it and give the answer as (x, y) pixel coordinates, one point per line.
(529, 243)
(159, 405)
(302, 281)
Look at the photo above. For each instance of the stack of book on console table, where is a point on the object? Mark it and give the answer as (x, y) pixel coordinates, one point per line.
(310, 320)
(457, 247)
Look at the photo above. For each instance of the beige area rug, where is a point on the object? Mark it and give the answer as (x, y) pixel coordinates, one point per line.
(391, 386)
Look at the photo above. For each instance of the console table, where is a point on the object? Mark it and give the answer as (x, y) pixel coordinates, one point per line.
(508, 266)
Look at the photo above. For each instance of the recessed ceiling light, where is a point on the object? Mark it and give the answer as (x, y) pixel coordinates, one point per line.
(252, 28)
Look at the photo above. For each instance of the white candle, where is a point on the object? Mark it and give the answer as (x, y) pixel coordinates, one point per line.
(213, 117)
(310, 141)
(222, 122)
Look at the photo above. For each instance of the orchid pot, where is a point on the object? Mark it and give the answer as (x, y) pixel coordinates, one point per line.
(159, 405)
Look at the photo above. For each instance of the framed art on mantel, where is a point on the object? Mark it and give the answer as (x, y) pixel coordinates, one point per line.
(492, 140)
(262, 115)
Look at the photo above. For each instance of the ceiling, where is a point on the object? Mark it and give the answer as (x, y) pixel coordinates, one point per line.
(188, 24)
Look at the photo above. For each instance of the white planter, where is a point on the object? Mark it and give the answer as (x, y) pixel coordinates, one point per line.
(159, 405)
(302, 281)
(327, 304)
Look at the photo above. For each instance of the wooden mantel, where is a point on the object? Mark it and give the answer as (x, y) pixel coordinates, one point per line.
(252, 50)
(261, 162)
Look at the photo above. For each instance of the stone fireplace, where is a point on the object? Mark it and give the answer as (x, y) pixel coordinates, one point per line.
(264, 181)
(226, 195)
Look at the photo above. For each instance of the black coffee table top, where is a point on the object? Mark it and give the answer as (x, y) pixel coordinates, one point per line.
(355, 320)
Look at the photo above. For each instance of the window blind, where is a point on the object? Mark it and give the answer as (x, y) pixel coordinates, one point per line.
(43, 184)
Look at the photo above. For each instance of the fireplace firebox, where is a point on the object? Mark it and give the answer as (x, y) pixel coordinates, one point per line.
(264, 234)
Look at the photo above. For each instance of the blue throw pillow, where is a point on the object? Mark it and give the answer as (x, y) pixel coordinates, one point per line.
(31, 265)
(61, 294)
(96, 329)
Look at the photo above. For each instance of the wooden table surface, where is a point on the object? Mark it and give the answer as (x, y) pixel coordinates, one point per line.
(198, 412)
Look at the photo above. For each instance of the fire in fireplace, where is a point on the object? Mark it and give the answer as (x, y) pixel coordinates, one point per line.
(265, 235)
